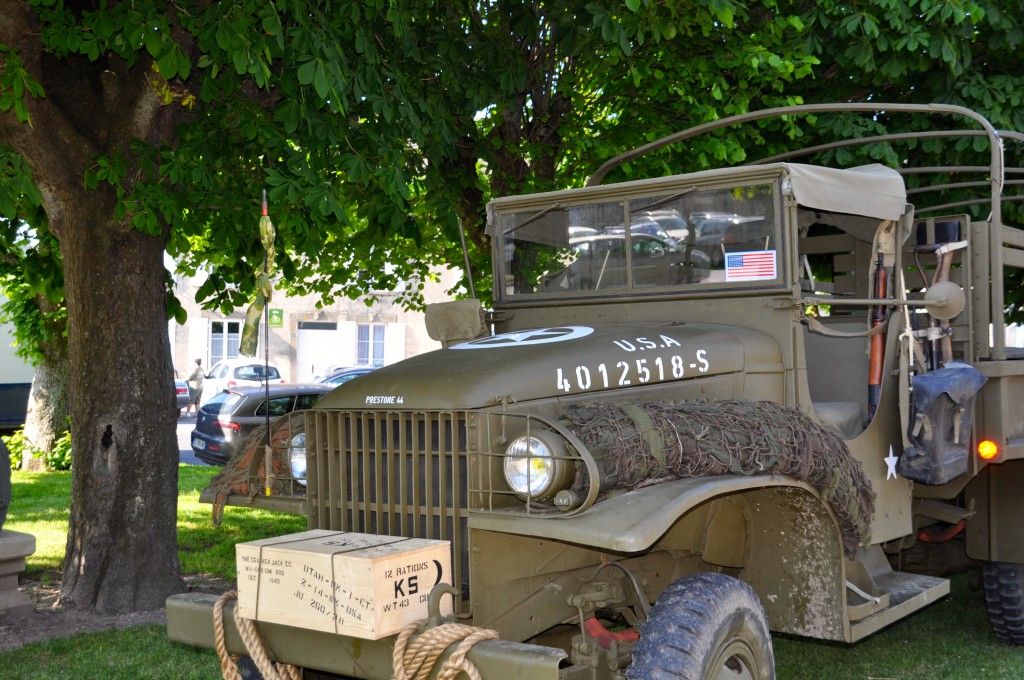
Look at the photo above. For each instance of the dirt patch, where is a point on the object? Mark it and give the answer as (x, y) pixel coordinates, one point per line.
(48, 621)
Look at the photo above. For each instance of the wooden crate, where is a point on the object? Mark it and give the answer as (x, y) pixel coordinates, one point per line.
(361, 585)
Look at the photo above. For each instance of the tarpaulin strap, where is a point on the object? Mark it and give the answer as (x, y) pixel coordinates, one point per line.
(645, 427)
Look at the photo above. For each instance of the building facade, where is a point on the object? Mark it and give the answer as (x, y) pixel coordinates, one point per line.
(306, 341)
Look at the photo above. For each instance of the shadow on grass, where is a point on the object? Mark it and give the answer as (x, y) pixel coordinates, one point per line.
(950, 639)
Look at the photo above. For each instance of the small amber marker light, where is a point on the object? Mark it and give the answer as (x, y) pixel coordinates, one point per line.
(988, 449)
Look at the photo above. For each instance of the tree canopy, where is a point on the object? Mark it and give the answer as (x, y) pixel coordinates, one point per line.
(378, 128)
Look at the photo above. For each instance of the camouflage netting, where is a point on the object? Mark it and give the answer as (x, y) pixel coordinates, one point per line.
(642, 444)
(238, 476)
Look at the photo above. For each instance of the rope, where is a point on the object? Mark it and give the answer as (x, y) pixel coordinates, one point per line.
(415, 661)
(251, 638)
(228, 667)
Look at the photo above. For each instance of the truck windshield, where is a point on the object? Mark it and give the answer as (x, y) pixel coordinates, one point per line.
(691, 237)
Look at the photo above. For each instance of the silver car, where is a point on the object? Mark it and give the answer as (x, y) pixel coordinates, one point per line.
(181, 393)
(240, 372)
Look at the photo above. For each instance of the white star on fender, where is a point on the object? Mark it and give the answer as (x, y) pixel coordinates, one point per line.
(890, 462)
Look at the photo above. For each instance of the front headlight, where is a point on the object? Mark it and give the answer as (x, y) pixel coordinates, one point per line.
(536, 465)
(297, 457)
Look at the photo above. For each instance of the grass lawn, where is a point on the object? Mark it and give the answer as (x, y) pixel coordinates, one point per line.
(950, 640)
(40, 507)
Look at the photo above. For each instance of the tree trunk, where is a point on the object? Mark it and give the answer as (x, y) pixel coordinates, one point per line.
(122, 543)
(47, 417)
(122, 551)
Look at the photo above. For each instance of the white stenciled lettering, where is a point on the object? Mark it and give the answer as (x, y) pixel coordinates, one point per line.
(646, 344)
(669, 342)
(583, 377)
(623, 380)
(640, 344)
(384, 399)
(659, 368)
(562, 383)
(642, 370)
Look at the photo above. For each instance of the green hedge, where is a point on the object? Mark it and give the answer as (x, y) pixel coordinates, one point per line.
(57, 458)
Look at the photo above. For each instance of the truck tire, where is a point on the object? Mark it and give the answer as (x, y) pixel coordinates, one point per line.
(1004, 599)
(705, 626)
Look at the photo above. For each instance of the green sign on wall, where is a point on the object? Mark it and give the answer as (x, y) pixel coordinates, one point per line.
(275, 318)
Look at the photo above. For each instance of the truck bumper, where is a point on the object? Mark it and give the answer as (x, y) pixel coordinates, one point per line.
(190, 622)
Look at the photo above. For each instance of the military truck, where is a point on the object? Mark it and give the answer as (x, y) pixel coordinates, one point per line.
(650, 453)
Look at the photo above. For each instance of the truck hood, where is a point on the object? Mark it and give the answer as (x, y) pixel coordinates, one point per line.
(550, 362)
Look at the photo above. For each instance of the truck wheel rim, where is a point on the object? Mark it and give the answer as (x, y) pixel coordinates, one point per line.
(735, 660)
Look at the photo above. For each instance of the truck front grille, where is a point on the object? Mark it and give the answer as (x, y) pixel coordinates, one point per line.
(398, 473)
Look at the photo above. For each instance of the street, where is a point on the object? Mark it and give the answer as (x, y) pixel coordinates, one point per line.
(185, 453)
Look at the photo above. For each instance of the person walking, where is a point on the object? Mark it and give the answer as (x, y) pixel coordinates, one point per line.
(195, 388)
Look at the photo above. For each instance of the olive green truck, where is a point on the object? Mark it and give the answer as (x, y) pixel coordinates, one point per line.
(772, 397)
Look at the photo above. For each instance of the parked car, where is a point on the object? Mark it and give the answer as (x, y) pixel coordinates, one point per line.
(181, 393)
(229, 373)
(718, 233)
(599, 261)
(229, 417)
(645, 223)
(343, 375)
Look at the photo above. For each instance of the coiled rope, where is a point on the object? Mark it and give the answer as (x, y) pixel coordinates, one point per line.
(415, 661)
(251, 638)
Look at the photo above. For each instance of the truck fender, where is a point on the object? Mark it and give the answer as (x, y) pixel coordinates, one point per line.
(634, 521)
(773, 532)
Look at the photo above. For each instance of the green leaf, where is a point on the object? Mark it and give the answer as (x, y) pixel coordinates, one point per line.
(240, 59)
(272, 24)
(168, 63)
(306, 72)
(184, 65)
(320, 82)
(155, 43)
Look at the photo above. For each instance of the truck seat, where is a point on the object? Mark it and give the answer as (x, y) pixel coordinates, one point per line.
(841, 417)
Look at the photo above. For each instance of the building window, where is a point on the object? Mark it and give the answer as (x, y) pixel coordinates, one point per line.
(318, 325)
(224, 339)
(370, 344)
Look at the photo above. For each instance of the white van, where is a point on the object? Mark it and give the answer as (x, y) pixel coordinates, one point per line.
(15, 380)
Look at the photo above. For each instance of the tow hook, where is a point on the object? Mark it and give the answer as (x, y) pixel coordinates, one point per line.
(434, 617)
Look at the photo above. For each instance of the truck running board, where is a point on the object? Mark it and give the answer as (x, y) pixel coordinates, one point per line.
(877, 596)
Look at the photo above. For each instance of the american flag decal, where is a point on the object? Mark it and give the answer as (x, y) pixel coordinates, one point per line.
(750, 266)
